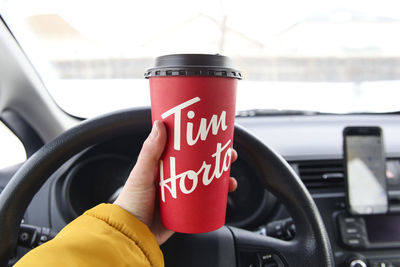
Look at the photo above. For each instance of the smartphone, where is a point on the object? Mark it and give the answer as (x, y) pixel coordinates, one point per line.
(365, 170)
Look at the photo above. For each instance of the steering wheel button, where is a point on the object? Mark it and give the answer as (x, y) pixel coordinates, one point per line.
(266, 257)
(249, 259)
(270, 260)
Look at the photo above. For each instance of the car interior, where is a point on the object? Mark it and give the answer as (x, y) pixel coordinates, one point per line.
(298, 202)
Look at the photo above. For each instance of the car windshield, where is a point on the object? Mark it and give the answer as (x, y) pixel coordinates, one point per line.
(327, 56)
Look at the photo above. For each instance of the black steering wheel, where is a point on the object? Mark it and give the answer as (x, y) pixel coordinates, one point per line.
(225, 247)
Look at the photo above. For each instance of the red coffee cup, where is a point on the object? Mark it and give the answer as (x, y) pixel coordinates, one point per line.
(194, 95)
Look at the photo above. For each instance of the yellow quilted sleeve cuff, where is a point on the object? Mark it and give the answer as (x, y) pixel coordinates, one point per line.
(131, 227)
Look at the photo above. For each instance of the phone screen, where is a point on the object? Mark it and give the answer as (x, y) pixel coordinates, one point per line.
(366, 174)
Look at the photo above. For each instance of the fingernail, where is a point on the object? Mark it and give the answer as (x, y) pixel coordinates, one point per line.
(154, 130)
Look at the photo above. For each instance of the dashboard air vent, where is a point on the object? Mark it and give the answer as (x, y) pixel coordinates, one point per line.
(321, 173)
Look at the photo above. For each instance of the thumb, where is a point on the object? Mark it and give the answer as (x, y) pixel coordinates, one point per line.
(144, 173)
(138, 193)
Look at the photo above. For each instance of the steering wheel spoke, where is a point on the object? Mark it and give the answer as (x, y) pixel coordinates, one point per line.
(264, 250)
(215, 248)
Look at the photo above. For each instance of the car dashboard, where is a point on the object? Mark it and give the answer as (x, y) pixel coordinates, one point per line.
(312, 145)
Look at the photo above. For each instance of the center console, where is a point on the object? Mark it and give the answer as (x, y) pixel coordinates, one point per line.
(369, 233)
(359, 240)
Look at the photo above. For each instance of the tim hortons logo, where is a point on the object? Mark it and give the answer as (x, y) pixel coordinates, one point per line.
(221, 158)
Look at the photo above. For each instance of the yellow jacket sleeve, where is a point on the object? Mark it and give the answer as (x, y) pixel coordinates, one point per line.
(106, 235)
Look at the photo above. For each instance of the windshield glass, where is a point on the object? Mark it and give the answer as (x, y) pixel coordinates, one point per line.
(329, 56)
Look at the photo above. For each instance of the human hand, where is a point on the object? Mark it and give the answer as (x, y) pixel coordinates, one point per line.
(139, 192)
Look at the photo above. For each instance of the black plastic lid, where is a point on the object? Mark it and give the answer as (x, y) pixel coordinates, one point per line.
(193, 65)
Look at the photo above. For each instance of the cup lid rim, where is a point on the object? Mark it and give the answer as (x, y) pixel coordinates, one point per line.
(193, 65)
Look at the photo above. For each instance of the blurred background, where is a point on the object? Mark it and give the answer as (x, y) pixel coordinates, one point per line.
(330, 56)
